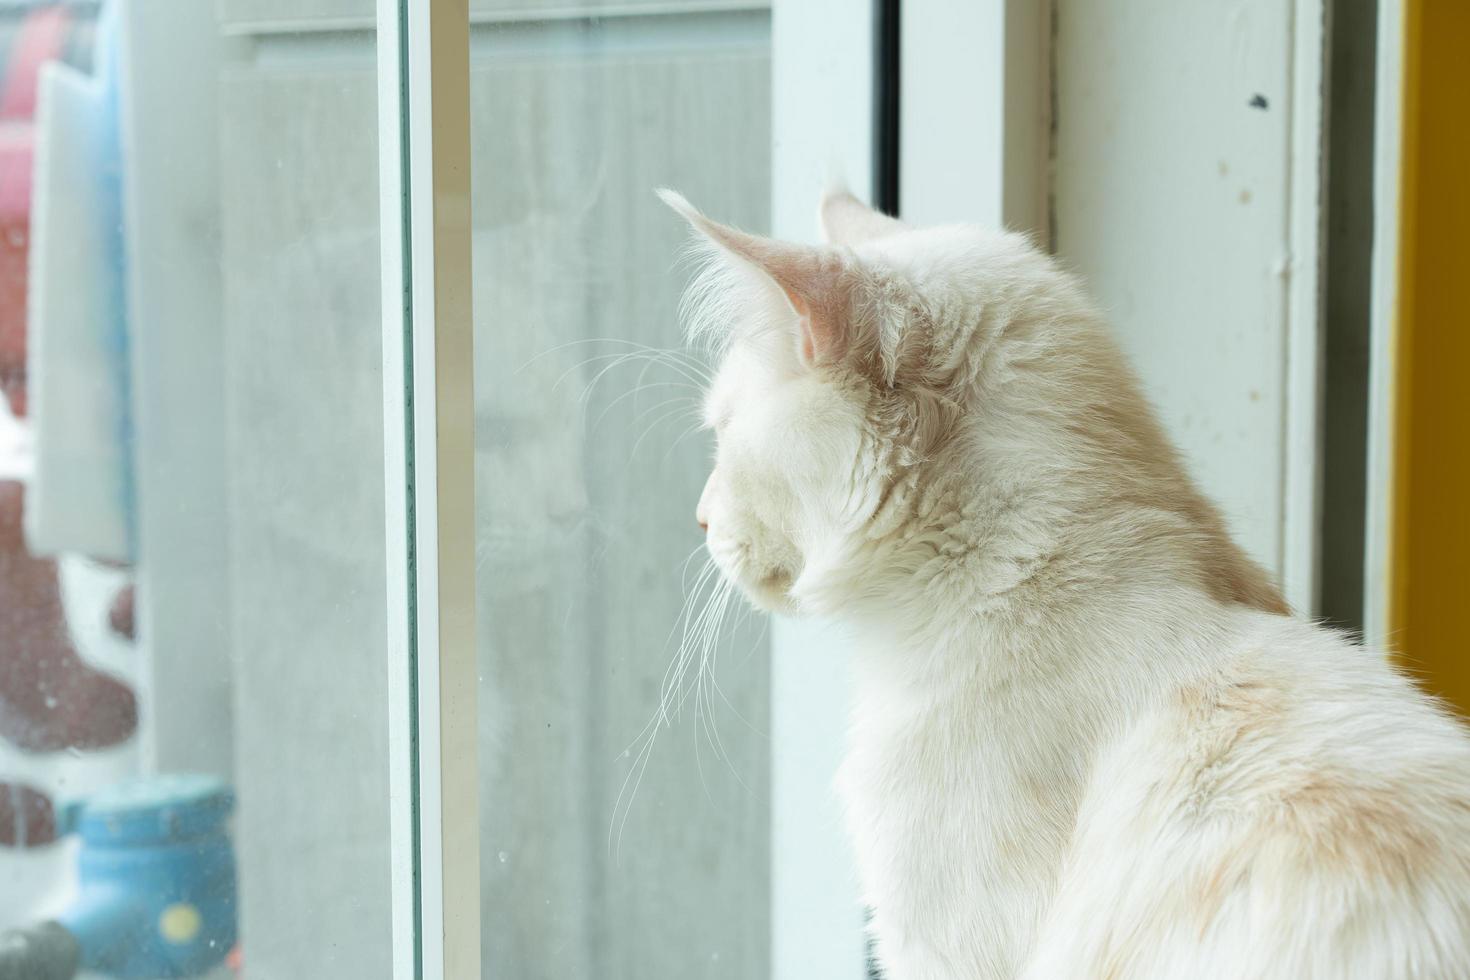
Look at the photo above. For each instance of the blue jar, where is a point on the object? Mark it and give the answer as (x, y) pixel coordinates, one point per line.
(156, 873)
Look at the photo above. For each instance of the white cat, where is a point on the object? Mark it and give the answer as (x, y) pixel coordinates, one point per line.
(1089, 740)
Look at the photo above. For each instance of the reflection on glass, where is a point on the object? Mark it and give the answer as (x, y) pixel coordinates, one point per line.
(192, 663)
(611, 847)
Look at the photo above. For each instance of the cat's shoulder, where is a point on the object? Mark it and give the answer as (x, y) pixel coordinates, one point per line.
(1299, 810)
(1294, 718)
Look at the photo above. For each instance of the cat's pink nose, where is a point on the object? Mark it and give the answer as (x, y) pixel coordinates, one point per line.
(701, 510)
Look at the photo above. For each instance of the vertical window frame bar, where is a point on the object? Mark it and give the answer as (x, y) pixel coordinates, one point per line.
(424, 176)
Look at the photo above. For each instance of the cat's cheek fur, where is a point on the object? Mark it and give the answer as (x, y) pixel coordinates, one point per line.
(782, 490)
(745, 536)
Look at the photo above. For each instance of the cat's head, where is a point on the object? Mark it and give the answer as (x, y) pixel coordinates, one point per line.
(842, 369)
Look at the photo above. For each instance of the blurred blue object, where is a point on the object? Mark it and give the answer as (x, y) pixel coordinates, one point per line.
(157, 878)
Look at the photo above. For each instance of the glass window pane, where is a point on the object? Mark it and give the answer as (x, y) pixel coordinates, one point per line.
(614, 845)
(192, 572)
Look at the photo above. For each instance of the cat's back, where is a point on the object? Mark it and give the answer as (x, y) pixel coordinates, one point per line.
(1302, 812)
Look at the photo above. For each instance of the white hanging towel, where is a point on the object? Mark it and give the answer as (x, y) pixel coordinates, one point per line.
(80, 495)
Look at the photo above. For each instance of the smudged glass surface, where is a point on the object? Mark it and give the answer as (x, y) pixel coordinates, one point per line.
(193, 722)
(617, 842)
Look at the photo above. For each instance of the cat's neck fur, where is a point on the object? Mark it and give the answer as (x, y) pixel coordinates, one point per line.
(1059, 513)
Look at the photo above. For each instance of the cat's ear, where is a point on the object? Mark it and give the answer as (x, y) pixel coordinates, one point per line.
(811, 277)
(848, 221)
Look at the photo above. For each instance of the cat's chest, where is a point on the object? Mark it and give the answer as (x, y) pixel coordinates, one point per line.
(958, 826)
(940, 786)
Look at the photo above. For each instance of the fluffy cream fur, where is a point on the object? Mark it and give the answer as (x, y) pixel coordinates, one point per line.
(1089, 741)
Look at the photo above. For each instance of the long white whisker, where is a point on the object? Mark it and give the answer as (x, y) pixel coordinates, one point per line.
(670, 415)
(689, 645)
(678, 359)
(655, 424)
(669, 699)
(640, 766)
(707, 676)
(615, 361)
(691, 430)
(639, 389)
(674, 675)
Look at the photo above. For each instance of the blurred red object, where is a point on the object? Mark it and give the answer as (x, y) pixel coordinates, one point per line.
(27, 817)
(15, 227)
(43, 36)
(49, 698)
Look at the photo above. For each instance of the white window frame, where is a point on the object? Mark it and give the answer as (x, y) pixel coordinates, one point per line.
(974, 113)
(428, 441)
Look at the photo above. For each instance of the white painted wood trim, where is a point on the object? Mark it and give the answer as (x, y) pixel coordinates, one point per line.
(974, 110)
(1301, 510)
(423, 60)
(1387, 180)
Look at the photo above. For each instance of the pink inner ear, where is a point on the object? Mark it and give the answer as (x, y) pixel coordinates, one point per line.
(808, 352)
(808, 342)
(808, 277)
